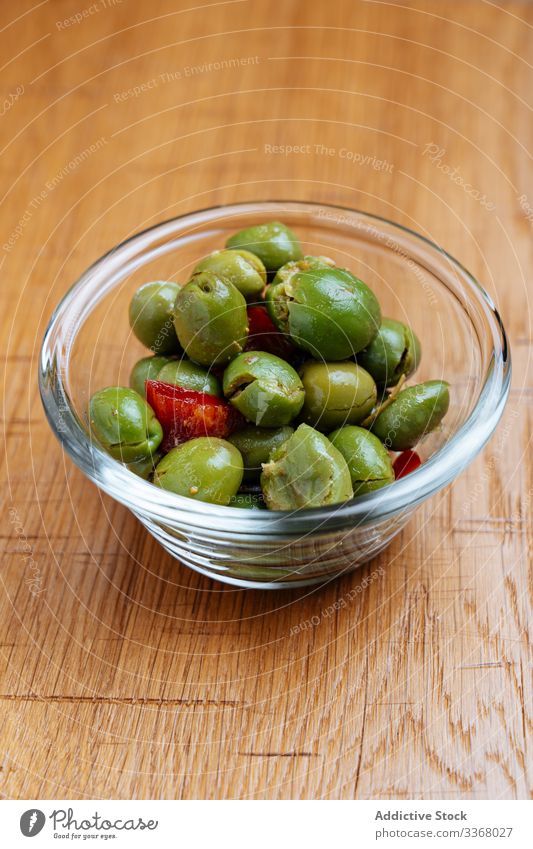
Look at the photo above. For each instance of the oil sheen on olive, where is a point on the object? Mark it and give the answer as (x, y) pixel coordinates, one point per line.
(124, 424)
(326, 311)
(274, 243)
(211, 319)
(242, 268)
(414, 413)
(368, 460)
(205, 468)
(336, 394)
(394, 351)
(151, 316)
(189, 375)
(264, 388)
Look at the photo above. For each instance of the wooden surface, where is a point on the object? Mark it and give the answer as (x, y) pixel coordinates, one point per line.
(123, 673)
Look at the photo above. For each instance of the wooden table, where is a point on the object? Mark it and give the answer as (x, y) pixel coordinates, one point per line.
(127, 675)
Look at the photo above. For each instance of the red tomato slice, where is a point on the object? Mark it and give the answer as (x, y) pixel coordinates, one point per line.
(185, 414)
(405, 463)
(264, 335)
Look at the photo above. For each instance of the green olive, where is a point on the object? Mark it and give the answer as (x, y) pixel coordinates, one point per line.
(256, 444)
(151, 316)
(369, 462)
(205, 468)
(145, 468)
(414, 413)
(264, 388)
(326, 311)
(242, 268)
(147, 369)
(124, 424)
(308, 263)
(190, 376)
(305, 471)
(248, 500)
(394, 351)
(336, 394)
(210, 319)
(273, 243)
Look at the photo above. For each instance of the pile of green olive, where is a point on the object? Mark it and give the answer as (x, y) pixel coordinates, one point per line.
(305, 417)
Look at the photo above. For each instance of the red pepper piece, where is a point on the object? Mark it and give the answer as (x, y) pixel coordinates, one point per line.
(405, 463)
(264, 335)
(185, 414)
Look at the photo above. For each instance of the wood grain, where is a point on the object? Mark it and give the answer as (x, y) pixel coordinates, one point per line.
(124, 675)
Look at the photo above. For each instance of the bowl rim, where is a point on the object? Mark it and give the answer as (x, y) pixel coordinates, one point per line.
(138, 494)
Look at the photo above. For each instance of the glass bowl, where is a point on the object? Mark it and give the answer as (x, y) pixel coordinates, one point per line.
(89, 345)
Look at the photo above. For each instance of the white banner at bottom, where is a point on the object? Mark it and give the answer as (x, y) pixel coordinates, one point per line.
(236, 824)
